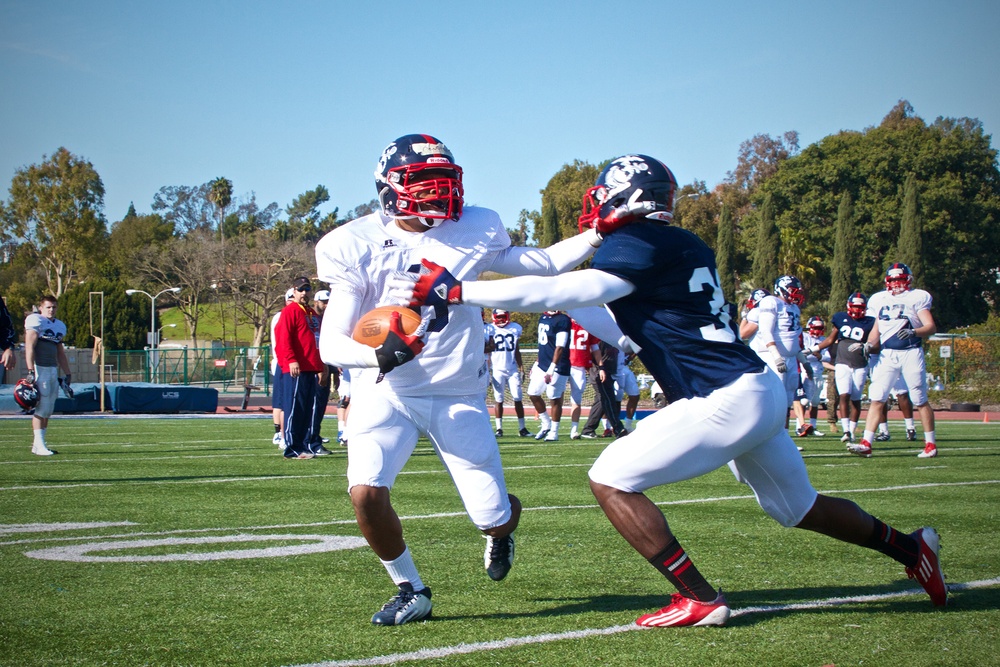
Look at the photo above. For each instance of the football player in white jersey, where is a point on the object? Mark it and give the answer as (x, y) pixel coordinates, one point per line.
(902, 320)
(507, 368)
(44, 355)
(812, 383)
(779, 332)
(662, 286)
(441, 393)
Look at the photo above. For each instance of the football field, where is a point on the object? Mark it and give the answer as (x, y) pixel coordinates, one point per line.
(191, 541)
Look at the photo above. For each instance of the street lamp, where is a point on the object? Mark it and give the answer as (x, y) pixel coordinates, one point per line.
(152, 314)
(165, 326)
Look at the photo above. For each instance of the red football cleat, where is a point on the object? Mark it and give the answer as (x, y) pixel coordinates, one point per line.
(684, 611)
(862, 449)
(927, 571)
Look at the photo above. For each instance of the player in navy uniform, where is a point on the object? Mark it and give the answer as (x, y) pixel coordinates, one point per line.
(660, 284)
(851, 328)
(551, 371)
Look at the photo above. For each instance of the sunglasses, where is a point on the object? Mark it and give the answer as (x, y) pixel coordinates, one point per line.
(304, 288)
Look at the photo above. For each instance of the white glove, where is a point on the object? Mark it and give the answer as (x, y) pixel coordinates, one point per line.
(779, 361)
(864, 347)
(814, 350)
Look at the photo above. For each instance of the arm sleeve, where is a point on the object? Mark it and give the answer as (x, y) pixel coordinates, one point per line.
(520, 261)
(765, 328)
(599, 322)
(336, 347)
(534, 294)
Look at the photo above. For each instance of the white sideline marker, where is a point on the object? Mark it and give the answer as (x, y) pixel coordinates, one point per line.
(512, 642)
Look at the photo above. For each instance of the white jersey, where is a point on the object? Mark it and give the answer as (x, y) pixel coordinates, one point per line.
(780, 321)
(359, 258)
(505, 340)
(274, 357)
(808, 340)
(893, 312)
(50, 335)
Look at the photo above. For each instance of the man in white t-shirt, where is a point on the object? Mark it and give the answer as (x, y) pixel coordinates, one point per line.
(506, 368)
(44, 356)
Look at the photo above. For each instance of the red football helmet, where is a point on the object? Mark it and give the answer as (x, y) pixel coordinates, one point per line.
(417, 177)
(816, 326)
(898, 278)
(501, 318)
(857, 305)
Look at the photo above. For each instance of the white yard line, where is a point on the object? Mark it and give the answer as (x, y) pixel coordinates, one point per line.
(514, 642)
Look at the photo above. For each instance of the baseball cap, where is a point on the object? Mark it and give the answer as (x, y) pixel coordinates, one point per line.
(289, 295)
(301, 283)
(322, 295)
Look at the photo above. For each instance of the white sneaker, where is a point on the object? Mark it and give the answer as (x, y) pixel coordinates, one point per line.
(818, 434)
(848, 437)
(41, 450)
(552, 435)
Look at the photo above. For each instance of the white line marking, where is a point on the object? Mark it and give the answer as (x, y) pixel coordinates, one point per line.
(511, 642)
(7, 528)
(447, 515)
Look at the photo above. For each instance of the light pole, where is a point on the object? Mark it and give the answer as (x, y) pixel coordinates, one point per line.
(153, 333)
(165, 326)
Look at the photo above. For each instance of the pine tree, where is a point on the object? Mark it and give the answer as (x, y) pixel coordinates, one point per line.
(550, 226)
(911, 243)
(843, 280)
(765, 259)
(725, 255)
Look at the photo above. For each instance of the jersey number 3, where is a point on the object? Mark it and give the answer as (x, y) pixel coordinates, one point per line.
(722, 329)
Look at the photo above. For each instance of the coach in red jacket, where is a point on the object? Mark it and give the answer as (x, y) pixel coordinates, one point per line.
(295, 348)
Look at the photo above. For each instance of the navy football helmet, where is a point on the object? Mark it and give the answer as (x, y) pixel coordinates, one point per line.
(790, 289)
(417, 177)
(857, 305)
(755, 298)
(898, 278)
(26, 395)
(630, 188)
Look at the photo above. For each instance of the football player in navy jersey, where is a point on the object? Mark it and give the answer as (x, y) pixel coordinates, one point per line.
(660, 283)
(550, 372)
(850, 331)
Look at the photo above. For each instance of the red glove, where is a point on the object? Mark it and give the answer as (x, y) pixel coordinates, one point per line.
(436, 287)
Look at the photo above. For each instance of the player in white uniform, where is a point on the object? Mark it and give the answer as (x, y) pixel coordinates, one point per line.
(902, 320)
(44, 355)
(441, 393)
(507, 368)
(812, 382)
(626, 384)
(780, 332)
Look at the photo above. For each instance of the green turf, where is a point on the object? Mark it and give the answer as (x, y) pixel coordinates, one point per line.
(222, 477)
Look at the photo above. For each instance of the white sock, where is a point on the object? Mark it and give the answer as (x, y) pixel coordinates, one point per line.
(869, 435)
(883, 427)
(554, 428)
(929, 437)
(39, 438)
(846, 425)
(812, 422)
(546, 421)
(910, 426)
(574, 427)
(520, 422)
(499, 421)
(854, 426)
(404, 569)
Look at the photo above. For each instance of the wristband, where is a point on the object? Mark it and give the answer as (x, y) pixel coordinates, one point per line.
(552, 370)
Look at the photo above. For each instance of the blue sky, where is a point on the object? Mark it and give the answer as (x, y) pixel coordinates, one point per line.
(281, 97)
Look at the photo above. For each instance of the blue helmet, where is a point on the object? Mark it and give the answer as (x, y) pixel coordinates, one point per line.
(417, 177)
(630, 188)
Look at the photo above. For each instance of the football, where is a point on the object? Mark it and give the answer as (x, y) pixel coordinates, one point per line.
(373, 326)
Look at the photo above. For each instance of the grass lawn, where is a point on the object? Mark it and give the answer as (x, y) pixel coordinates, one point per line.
(192, 542)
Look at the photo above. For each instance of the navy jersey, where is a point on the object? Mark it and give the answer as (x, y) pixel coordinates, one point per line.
(677, 313)
(549, 326)
(850, 330)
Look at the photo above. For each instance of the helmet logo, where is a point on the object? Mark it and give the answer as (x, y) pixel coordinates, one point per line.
(433, 149)
(620, 174)
(389, 151)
